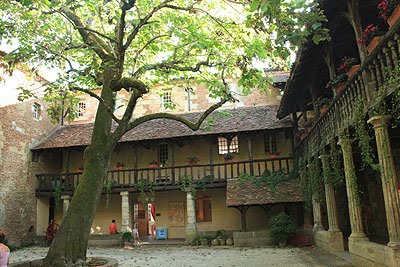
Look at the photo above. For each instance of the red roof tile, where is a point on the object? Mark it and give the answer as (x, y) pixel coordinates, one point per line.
(238, 120)
(250, 194)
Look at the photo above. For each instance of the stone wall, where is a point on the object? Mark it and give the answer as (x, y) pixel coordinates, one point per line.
(19, 131)
(198, 100)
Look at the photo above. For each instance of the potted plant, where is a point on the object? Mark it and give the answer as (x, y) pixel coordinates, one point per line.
(349, 65)
(389, 11)
(154, 164)
(228, 156)
(338, 82)
(371, 36)
(281, 228)
(192, 160)
(323, 103)
(119, 166)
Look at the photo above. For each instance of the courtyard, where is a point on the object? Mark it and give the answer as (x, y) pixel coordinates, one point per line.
(155, 255)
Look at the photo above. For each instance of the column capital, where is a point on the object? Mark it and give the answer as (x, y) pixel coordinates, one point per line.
(66, 197)
(345, 141)
(379, 121)
(124, 193)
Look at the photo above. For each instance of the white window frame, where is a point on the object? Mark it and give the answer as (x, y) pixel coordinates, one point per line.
(81, 109)
(223, 145)
(37, 111)
(166, 99)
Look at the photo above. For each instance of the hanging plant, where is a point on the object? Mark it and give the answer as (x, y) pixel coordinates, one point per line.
(107, 188)
(362, 136)
(334, 174)
(146, 190)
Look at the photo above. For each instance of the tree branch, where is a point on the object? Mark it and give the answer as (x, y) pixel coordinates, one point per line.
(174, 66)
(101, 100)
(144, 47)
(99, 46)
(194, 126)
(96, 32)
(129, 84)
(143, 22)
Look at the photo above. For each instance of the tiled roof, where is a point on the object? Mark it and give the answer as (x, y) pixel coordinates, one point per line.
(250, 194)
(237, 120)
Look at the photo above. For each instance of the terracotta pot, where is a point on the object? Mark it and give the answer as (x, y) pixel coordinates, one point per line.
(323, 109)
(119, 167)
(191, 163)
(353, 70)
(274, 156)
(374, 43)
(394, 17)
(222, 241)
(203, 242)
(340, 87)
(229, 242)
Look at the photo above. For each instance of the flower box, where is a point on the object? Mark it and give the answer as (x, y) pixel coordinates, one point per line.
(353, 69)
(374, 43)
(274, 155)
(153, 166)
(394, 17)
(191, 163)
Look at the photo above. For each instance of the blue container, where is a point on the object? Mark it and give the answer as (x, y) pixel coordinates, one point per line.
(162, 233)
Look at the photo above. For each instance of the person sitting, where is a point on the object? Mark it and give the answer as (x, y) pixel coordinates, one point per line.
(51, 231)
(4, 251)
(113, 228)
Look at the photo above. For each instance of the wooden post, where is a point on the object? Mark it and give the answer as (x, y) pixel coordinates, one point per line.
(211, 156)
(250, 152)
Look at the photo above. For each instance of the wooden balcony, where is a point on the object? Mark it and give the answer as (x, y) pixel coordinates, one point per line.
(166, 178)
(377, 68)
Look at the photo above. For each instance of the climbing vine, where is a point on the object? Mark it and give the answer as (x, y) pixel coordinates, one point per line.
(58, 188)
(107, 187)
(146, 190)
(188, 183)
(271, 179)
(362, 136)
(334, 173)
(312, 184)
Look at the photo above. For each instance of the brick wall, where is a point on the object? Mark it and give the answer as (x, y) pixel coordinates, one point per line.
(19, 131)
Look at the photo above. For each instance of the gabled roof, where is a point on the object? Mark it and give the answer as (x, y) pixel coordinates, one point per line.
(237, 120)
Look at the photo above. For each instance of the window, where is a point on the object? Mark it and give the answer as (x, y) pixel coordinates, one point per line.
(223, 145)
(37, 110)
(167, 99)
(163, 153)
(270, 143)
(203, 209)
(81, 109)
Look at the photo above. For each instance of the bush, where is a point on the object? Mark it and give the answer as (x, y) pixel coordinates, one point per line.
(281, 227)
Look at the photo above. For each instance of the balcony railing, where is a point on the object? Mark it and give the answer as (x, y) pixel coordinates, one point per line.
(377, 67)
(163, 178)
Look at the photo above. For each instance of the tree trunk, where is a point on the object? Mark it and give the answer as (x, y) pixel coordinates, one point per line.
(70, 244)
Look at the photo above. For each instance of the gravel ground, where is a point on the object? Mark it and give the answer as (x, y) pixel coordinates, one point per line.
(200, 256)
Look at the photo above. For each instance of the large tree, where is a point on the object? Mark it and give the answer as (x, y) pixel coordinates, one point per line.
(131, 45)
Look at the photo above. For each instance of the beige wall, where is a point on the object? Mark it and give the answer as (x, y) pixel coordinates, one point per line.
(42, 210)
(198, 146)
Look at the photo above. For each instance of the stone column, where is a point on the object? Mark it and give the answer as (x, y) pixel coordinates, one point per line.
(126, 211)
(66, 200)
(388, 177)
(330, 198)
(317, 214)
(191, 229)
(357, 230)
